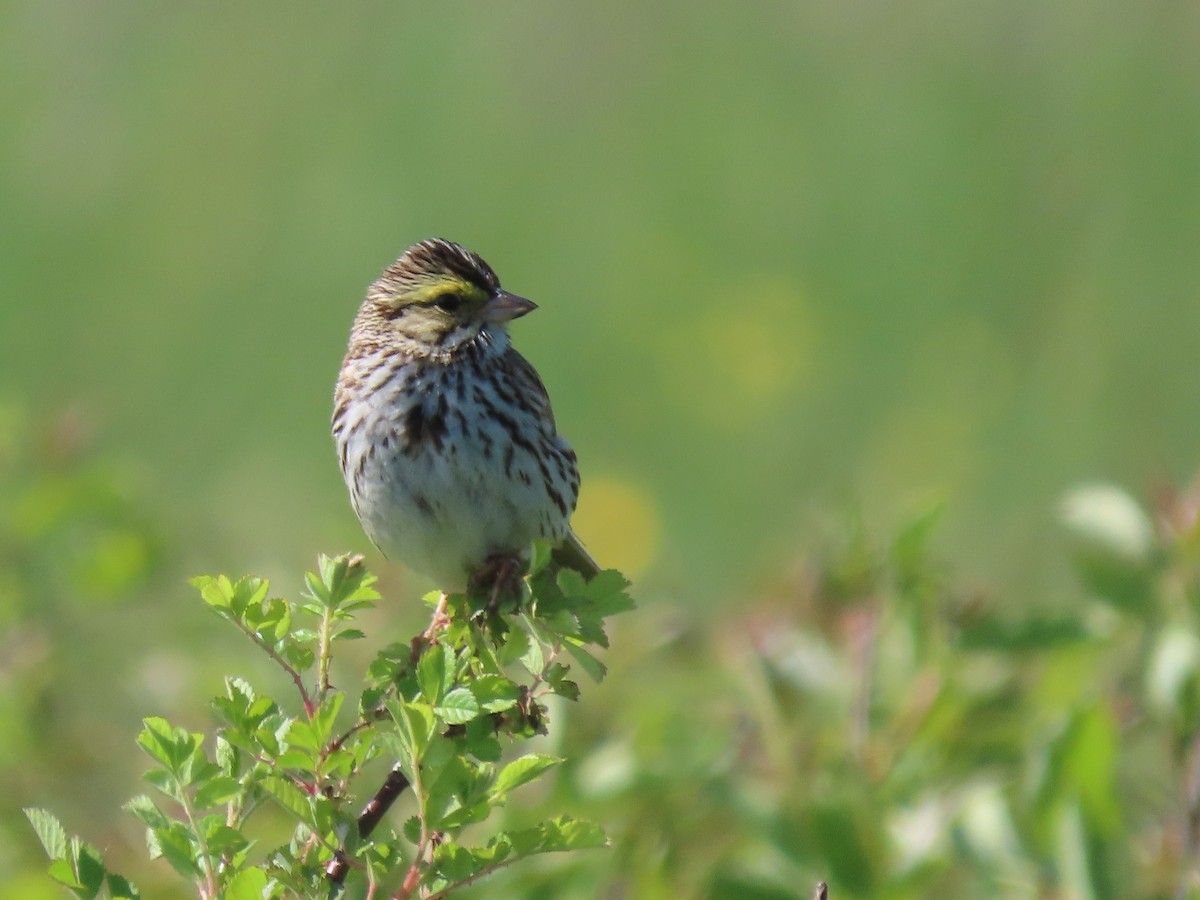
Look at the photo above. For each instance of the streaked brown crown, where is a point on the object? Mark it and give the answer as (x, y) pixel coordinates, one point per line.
(436, 258)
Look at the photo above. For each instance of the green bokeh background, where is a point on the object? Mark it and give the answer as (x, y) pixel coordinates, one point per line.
(791, 258)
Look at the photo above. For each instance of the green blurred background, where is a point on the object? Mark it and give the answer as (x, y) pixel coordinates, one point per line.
(792, 258)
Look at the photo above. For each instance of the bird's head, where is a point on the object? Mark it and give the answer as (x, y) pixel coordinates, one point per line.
(439, 295)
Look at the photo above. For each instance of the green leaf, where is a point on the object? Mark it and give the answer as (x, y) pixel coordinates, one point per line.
(431, 674)
(521, 771)
(325, 716)
(495, 693)
(49, 831)
(565, 688)
(148, 812)
(555, 835)
(416, 726)
(412, 830)
(297, 802)
(60, 870)
(165, 744)
(228, 757)
(88, 866)
(122, 889)
(221, 838)
(177, 846)
(299, 656)
(248, 884)
(297, 758)
(343, 581)
(481, 739)
(457, 707)
(590, 664)
(514, 646)
(533, 659)
(458, 863)
(165, 782)
(216, 791)
(571, 583)
(607, 593)
(540, 558)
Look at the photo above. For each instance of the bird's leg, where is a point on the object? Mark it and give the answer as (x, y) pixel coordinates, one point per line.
(437, 623)
(439, 620)
(500, 575)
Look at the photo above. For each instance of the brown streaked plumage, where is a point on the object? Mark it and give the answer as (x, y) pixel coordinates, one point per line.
(444, 432)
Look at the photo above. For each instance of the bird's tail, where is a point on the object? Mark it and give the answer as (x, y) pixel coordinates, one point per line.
(571, 554)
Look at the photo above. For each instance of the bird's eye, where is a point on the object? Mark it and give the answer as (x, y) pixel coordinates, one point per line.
(448, 303)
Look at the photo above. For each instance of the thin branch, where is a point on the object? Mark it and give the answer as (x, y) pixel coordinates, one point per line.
(309, 706)
(412, 878)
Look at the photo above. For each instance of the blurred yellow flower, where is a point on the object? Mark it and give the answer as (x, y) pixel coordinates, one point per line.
(742, 355)
(619, 524)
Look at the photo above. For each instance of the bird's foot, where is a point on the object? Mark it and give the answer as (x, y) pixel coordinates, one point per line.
(500, 575)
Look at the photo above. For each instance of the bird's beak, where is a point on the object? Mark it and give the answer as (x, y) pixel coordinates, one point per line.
(504, 307)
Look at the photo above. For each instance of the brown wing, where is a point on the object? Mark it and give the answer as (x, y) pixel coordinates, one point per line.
(571, 554)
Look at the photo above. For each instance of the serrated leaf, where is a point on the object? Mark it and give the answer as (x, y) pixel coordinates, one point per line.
(324, 717)
(458, 863)
(607, 593)
(571, 583)
(590, 664)
(521, 771)
(249, 591)
(89, 867)
(296, 758)
(163, 743)
(562, 833)
(164, 781)
(216, 791)
(210, 591)
(482, 741)
(291, 798)
(540, 557)
(412, 830)
(228, 757)
(222, 838)
(301, 735)
(60, 870)
(300, 656)
(566, 688)
(533, 659)
(431, 673)
(248, 884)
(457, 707)
(513, 647)
(148, 812)
(415, 722)
(120, 888)
(197, 768)
(49, 831)
(176, 846)
(495, 693)
(349, 634)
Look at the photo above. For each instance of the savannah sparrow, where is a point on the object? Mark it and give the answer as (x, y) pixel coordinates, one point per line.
(444, 431)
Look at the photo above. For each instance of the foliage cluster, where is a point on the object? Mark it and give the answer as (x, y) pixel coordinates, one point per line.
(434, 711)
(877, 724)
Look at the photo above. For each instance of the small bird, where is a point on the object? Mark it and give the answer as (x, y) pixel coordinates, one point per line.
(444, 431)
